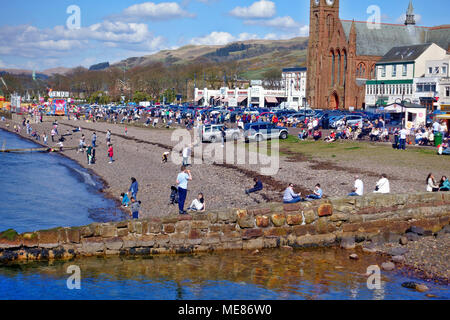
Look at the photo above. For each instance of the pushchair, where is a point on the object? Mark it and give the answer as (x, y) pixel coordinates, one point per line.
(174, 196)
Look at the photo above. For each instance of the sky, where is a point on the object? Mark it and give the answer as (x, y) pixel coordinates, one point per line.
(46, 34)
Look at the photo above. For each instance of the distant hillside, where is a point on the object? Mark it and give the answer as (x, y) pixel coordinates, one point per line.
(100, 66)
(256, 55)
(40, 74)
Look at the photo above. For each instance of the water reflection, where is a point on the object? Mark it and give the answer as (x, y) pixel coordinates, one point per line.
(272, 274)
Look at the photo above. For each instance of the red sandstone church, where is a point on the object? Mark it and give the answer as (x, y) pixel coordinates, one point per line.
(342, 54)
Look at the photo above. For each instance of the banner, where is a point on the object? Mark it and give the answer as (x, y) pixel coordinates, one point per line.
(59, 107)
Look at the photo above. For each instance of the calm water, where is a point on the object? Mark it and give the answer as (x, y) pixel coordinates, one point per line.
(43, 191)
(270, 275)
(46, 190)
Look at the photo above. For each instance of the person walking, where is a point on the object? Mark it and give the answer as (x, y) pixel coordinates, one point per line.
(182, 181)
(108, 136)
(111, 153)
(89, 155)
(134, 188)
(94, 140)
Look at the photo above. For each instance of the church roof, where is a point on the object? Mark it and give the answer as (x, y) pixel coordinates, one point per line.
(404, 54)
(378, 42)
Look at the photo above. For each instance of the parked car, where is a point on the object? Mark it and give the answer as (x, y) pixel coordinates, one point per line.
(260, 131)
(213, 133)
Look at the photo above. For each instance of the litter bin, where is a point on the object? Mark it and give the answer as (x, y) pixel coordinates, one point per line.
(437, 139)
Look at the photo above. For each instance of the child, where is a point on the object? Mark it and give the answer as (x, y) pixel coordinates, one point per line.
(125, 200)
(165, 157)
(135, 206)
(126, 131)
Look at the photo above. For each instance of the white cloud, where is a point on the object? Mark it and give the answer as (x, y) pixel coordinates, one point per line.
(152, 11)
(214, 38)
(259, 9)
(279, 22)
(2, 64)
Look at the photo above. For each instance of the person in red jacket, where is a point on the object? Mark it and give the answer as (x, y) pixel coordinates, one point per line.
(111, 153)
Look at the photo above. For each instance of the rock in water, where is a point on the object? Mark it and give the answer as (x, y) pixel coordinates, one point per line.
(412, 236)
(397, 251)
(388, 266)
(354, 256)
(415, 286)
(422, 288)
(417, 230)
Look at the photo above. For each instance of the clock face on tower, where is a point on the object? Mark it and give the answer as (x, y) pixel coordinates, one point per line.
(330, 2)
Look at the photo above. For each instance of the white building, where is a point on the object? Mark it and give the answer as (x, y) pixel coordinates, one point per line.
(396, 73)
(292, 93)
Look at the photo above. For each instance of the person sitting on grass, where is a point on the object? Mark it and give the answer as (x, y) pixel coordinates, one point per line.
(198, 204)
(257, 187)
(290, 196)
(317, 195)
(317, 135)
(125, 200)
(331, 137)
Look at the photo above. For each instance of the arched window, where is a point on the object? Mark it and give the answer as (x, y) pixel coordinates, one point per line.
(345, 66)
(330, 25)
(361, 70)
(317, 27)
(333, 67)
(372, 72)
(339, 68)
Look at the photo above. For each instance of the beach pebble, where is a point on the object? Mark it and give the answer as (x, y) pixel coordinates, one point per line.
(354, 256)
(398, 259)
(388, 266)
(403, 241)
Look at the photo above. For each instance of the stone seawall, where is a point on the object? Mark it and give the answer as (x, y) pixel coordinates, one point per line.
(376, 218)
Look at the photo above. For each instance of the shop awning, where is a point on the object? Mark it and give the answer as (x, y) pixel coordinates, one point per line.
(271, 100)
(242, 99)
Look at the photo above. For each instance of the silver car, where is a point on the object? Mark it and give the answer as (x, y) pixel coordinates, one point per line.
(213, 133)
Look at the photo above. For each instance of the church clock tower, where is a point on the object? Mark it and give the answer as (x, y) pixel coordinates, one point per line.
(324, 16)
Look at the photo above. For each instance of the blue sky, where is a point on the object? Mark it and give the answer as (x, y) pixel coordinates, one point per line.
(34, 34)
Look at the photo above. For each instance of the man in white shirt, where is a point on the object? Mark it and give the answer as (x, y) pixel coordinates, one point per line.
(358, 190)
(403, 134)
(383, 185)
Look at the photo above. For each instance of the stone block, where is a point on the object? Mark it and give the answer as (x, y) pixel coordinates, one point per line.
(262, 221)
(161, 239)
(108, 231)
(245, 220)
(231, 236)
(253, 244)
(146, 241)
(154, 227)
(113, 243)
(251, 234)
(73, 235)
(270, 243)
(278, 219)
(122, 232)
(316, 240)
(275, 232)
(310, 216)
(325, 210)
(290, 207)
(233, 245)
(202, 224)
(49, 238)
(129, 241)
(92, 245)
(304, 230)
(294, 219)
(211, 238)
(183, 226)
(178, 238)
(169, 228)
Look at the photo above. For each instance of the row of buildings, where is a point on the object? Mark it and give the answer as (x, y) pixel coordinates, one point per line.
(291, 93)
